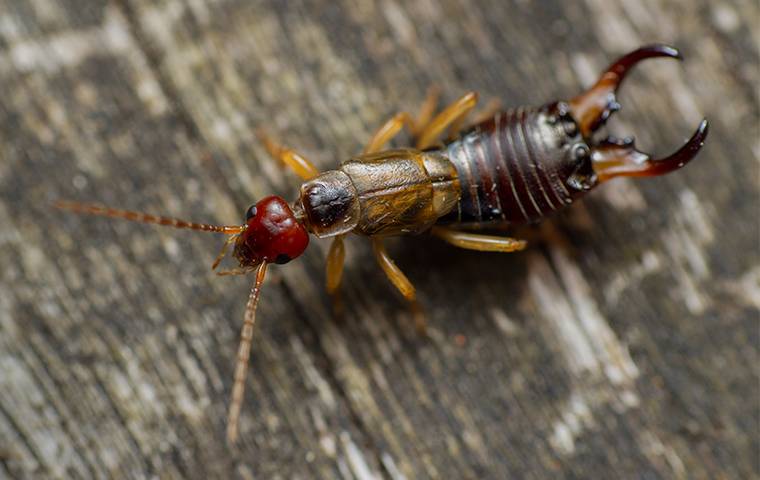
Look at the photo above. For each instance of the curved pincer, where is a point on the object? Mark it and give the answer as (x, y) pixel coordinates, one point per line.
(593, 107)
(619, 158)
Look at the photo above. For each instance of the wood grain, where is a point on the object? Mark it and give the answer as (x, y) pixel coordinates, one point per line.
(622, 344)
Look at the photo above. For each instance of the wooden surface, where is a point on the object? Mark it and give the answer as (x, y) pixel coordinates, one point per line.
(622, 344)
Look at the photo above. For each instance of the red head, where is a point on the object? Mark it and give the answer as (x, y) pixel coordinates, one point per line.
(272, 234)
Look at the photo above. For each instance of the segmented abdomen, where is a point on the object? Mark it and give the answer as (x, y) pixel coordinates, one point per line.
(511, 168)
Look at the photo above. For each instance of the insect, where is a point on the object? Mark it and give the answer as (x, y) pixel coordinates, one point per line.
(515, 167)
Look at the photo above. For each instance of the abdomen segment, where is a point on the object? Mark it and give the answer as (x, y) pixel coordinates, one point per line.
(511, 168)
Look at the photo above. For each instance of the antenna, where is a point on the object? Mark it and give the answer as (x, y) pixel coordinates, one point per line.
(93, 209)
(243, 355)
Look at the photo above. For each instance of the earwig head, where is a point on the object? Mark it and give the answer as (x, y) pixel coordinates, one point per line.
(611, 157)
(272, 234)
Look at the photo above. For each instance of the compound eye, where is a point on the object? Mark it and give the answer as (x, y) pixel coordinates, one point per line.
(250, 213)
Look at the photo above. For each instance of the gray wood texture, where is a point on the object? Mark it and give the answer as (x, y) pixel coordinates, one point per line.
(622, 344)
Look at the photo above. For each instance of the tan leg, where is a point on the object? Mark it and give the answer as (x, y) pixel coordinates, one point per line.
(450, 115)
(427, 110)
(475, 241)
(392, 127)
(485, 113)
(335, 258)
(399, 280)
(334, 272)
(296, 162)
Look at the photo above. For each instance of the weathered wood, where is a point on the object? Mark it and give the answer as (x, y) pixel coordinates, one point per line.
(623, 343)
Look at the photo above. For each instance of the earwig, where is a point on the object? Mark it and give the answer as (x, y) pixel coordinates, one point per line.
(516, 167)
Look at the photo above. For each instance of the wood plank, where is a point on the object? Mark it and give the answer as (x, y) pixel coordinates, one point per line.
(622, 344)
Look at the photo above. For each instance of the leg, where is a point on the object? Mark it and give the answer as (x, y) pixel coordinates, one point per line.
(334, 271)
(335, 264)
(427, 110)
(476, 241)
(399, 280)
(297, 163)
(450, 115)
(392, 127)
(485, 113)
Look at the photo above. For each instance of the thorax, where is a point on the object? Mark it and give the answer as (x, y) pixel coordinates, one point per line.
(387, 193)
